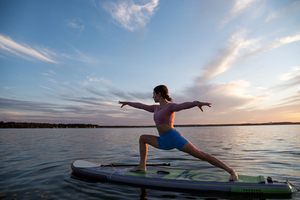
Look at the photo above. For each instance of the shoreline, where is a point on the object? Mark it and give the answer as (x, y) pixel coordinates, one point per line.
(7, 125)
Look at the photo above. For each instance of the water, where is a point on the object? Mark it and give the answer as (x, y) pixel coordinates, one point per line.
(35, 163)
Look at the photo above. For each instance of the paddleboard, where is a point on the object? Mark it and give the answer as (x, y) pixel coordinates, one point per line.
(173, 178)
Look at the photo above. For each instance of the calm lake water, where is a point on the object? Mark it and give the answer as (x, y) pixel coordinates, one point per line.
(35, 163)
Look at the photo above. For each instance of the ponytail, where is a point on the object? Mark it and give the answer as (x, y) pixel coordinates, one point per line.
(168, 98)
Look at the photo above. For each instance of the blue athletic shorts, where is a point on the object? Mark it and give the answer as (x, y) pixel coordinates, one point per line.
(171, 139)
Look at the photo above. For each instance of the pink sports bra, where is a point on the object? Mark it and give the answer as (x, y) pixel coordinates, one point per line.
(164, 114)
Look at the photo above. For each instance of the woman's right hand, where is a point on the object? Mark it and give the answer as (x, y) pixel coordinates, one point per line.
(124, 103)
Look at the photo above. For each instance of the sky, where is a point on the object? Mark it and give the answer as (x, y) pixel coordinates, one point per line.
(71, 61)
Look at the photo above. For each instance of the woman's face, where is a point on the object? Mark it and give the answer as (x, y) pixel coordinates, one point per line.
(156, 97)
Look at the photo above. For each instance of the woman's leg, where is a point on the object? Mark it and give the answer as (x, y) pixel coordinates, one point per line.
(144, 140)
(192, 150)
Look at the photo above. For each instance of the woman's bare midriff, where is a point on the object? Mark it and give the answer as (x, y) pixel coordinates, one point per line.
(164, 128)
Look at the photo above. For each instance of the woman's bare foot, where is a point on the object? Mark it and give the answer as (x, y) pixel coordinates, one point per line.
(139, 168)
(233, 176)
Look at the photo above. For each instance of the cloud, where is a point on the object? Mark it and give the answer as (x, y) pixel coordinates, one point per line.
(100, 80)
(112, 93)
(238, 50)
(282, 12)
(76, 24)
(24, 51)
(93, 111)
(91, 101)
(296, 68)
(227, 57)
(290, 79)
(96, 91)
(225, 97)
(20, 105)
(286, 40)
(44, 54)
(292, 99)
(290, 75)
(239, 7)
(228, 98)
(288, 100)
(259, 49)
(50, 89)
(231, 101)
(80, 57)
(131, 16)
(235, 94)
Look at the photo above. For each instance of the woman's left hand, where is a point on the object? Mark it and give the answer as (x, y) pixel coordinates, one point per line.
(124, 103)
(200, 104)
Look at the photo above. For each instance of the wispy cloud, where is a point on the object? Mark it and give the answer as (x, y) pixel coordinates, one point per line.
(261, 48)
(79, 56)
(290, 79)
(239, 7)
(227, 56)
(92, 111)
(113, 93)
(9, 88)
(227, 97)
(50, 89)
(131, 16)
(91, 101)
(24, 51)
(295, 71)
(20, 105)
(282, 12)
(294, 99)
(76, 24)
(7, 45)
(238, 50)
(99, 80)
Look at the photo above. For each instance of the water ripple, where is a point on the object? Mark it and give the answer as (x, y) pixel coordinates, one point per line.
(35, 164)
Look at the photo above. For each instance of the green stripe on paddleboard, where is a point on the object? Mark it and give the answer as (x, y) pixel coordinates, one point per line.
(174, 174)
(257, 189)
(261, 190)
(250, 179)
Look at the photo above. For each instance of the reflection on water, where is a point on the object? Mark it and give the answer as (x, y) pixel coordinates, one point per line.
(35, 163)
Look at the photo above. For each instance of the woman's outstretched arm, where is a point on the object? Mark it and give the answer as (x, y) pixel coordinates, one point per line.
(138, 105)
(188, 105)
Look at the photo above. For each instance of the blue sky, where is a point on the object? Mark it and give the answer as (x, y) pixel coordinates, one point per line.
(72, 61)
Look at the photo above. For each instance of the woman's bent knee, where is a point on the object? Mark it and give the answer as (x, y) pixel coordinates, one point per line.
(143, 138)
(149, 139)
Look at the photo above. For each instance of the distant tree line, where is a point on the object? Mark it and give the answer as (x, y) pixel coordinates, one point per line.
(44, 125)
(48, 125)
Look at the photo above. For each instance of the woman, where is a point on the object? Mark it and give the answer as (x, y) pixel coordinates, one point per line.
(170, 138)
